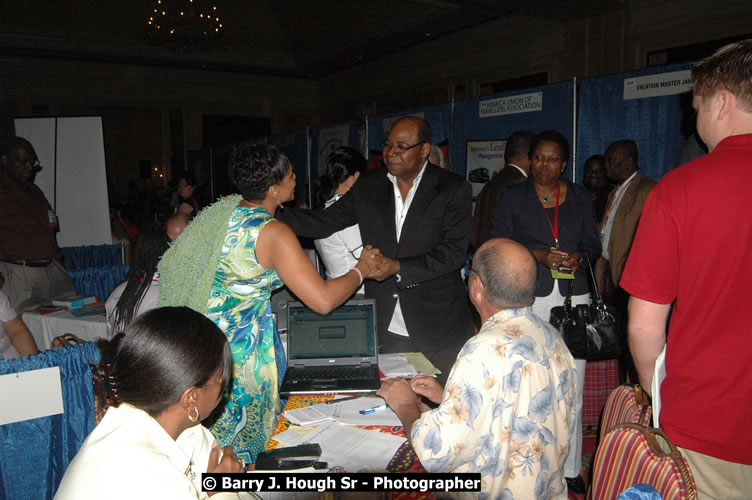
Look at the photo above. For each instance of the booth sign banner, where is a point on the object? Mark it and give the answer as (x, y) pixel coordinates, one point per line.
(484, 160)
(676, 82)
(523, 103)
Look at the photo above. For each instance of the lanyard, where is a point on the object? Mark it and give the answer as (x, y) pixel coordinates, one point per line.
(555, 226)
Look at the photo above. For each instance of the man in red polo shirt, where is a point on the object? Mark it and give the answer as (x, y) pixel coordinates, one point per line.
(691, 249)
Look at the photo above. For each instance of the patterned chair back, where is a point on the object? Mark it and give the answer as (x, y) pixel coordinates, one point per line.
(626, 404)
(630, 454)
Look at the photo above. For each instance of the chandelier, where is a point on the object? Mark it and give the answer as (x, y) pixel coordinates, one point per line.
(185, 26)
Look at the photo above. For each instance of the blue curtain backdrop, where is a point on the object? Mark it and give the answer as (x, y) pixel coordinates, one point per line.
(82, 257)
(295, 145)
(654, 123)
(556, 114)
(35, 453)
(98, 281)
(439, 117)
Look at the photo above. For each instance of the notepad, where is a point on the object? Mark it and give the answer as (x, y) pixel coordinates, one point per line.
(345, 412)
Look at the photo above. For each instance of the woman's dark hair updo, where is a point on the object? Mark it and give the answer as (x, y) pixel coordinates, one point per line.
(161, 354)
(254, 168)
(340, 165)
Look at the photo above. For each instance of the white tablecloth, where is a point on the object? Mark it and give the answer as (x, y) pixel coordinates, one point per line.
(46, 327)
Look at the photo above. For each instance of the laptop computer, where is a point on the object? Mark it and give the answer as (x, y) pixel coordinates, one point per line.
(336, 352)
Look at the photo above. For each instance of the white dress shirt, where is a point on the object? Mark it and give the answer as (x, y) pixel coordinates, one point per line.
(611, 212)
(401, 207)
(336, 250)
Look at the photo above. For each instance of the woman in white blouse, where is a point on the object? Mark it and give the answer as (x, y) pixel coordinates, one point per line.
(341, 250)
(169, 370)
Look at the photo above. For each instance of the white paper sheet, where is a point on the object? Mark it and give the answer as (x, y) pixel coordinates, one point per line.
(659, 373)
(17, 405)
(345, 412)
(352, 448)
(396, 365)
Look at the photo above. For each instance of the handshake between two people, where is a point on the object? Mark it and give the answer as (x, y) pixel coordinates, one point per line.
(375, 266)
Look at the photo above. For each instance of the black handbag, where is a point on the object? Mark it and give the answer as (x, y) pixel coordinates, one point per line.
(591, 331)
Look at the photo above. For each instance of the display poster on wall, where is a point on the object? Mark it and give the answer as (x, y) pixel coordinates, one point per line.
(523, 103)
(675, 82)
(484, 160)
(330, 139)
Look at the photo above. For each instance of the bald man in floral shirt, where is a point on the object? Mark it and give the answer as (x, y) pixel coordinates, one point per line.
(508, 407)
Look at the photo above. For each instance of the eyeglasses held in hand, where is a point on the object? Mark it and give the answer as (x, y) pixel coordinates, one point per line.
(355, 252)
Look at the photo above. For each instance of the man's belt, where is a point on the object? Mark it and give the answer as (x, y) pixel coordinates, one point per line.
(29, 263)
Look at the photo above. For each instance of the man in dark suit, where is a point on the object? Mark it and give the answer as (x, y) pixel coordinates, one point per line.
(516, 169)
(418, 215)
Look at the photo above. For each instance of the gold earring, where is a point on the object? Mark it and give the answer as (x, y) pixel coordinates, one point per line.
(194, 418)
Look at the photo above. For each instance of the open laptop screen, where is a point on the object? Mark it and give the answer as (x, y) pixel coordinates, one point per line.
(348, 331)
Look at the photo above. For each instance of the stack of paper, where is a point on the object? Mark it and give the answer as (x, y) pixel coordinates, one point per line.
(351, 448)
(74, 301)
(406, 364)
(345, 412)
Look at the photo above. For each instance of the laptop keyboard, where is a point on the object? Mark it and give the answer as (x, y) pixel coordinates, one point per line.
(333, 372)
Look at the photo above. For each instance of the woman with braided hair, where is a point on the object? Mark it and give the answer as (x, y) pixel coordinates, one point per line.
(140, 291)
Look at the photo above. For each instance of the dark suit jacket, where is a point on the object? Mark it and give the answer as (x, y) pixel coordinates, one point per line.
(488, 198)
(431, 251)
(520, 217)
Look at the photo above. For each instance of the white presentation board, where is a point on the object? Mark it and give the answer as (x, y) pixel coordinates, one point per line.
(74, 178)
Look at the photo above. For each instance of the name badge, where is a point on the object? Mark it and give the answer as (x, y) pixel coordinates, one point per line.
(52, 217)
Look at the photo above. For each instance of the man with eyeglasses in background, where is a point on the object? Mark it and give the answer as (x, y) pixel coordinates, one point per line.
(419, 216)
(29, 255)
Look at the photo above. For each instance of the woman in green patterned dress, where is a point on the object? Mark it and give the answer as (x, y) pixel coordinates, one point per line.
(252, 255)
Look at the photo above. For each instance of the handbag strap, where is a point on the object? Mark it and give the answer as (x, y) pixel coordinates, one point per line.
(568, 298)
(595, 294)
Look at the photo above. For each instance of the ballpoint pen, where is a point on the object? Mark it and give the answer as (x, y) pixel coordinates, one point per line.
(374, 409)
(344, 399)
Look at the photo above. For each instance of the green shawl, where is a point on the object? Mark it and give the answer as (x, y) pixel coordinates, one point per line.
(187, 269)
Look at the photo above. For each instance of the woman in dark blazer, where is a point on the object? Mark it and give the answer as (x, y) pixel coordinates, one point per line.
(553, 217)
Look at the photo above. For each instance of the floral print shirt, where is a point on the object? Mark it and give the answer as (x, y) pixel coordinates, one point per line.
(507, 410)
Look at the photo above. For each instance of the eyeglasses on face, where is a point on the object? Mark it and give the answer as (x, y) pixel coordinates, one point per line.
(29, 163)
(399, 149)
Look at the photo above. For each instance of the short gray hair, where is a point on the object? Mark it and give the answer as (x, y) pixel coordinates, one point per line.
(506, 286)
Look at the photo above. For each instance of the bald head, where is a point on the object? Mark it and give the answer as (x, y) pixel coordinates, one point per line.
(424, 132)
(175, 225)
(508, 273)
(621, 160)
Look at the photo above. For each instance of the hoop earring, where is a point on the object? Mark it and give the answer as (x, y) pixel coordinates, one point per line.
(194, 418)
